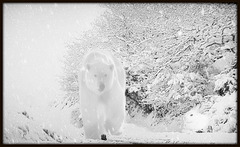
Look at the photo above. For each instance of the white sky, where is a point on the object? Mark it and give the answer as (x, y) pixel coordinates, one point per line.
(34, 42)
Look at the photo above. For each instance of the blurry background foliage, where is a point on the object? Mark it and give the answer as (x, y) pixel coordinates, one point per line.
(176, 56)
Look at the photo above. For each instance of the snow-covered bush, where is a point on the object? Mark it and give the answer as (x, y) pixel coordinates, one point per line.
(224, 113)
(76, 118)
(175, 55)
(225, 83)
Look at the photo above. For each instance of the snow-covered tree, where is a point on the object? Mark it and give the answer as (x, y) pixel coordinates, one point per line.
(173, 54)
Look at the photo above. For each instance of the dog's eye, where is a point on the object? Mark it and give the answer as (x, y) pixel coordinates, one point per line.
(191, 114)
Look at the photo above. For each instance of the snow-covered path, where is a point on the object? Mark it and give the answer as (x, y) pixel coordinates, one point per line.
(22, 128)
(22, 124)
(138, 135)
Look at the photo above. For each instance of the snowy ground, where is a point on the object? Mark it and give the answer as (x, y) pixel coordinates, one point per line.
(48, 125)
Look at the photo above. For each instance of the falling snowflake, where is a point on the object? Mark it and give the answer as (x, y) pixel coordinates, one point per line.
(180, 33)
(41, 8)
(48, 26)
(202, 12)
(24, 61)
(51, 12)
(55, 5)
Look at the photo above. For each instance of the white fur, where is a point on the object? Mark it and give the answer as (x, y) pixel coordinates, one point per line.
(102, 111)
(195, 121)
